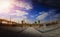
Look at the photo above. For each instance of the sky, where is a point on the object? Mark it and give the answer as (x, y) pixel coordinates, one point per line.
(27, 10)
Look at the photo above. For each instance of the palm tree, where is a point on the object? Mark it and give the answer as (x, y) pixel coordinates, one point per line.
(38, 21)
(35, 22)
(22, 21)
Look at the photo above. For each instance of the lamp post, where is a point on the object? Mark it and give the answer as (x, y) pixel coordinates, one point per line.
(10, 20)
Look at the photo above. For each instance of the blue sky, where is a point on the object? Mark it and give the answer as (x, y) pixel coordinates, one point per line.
(26, 10)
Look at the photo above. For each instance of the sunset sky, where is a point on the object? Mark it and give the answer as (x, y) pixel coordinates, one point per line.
(19, 10)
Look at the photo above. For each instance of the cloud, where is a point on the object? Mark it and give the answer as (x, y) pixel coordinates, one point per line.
(50, 11)
(29, 21)
(42, 16)
(5, 17)
(42, 12)
(16, 15)
(32, 16)
(25, 18)
(24, 5)
(6, 6)
(20, 13)
(19, 19)
(14, 19)
(57, 16)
